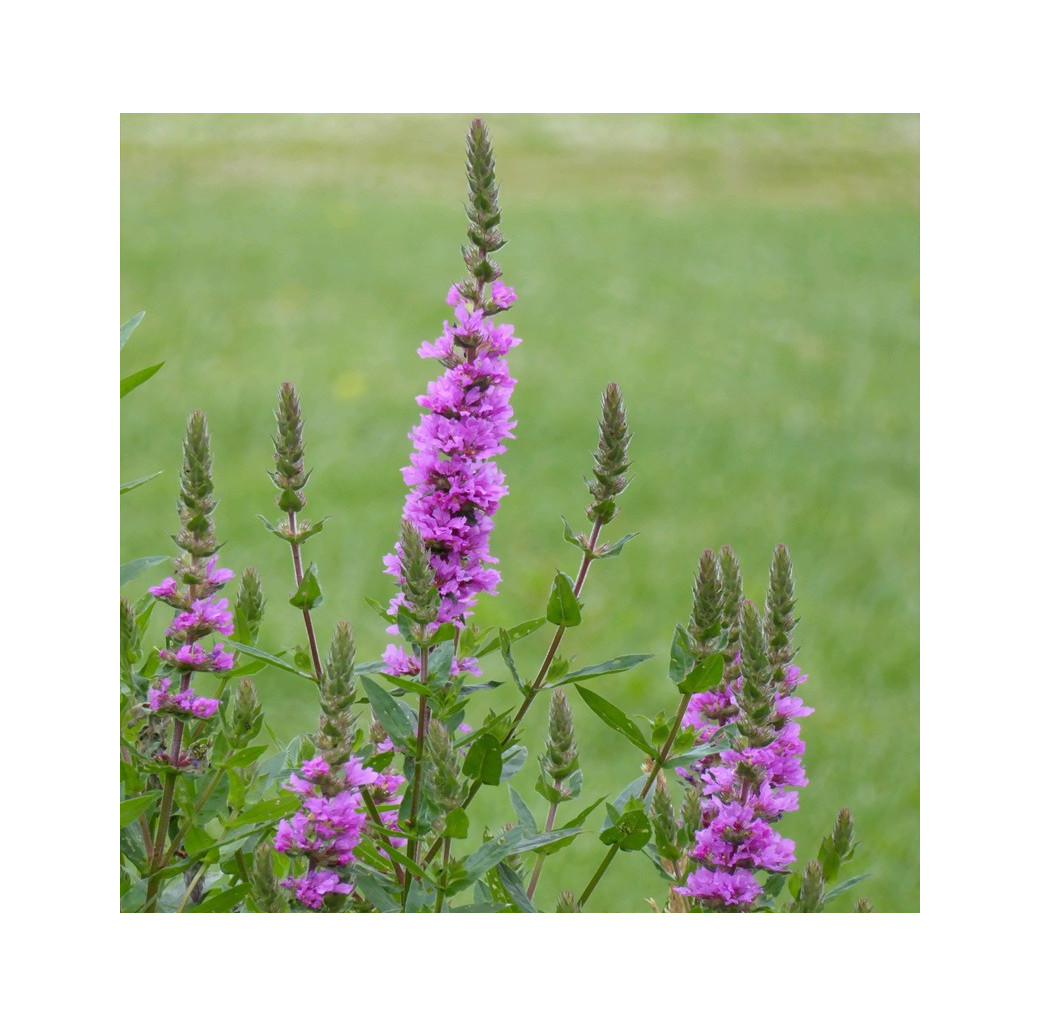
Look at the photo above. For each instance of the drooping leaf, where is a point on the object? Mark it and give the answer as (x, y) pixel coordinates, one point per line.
(507, 656)
(614, 718)
(136, 567)
(513, 759)
(563, 608)
(842, 887)
(380, 610)
(514, 887)
(138, 378)
(524, 817)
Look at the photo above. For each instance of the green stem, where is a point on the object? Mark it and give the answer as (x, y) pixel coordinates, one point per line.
(165, 812)
(539, 679)
(373, 811)
(659, 761)
(442, 890)
(298, 568)
(420, 739)
(549, 820)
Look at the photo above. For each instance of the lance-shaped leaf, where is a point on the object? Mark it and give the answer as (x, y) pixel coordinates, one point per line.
(308, 594)
(681, 658)
(130, 809)
(614, 718)
(610, 551)
(514, 887)
(619, 664)
(391, 715)
(521, 630)
(136, 483)
(136, 567)
(507, 657)
(132, 381)
(269, 659)
(563, 609)
(127, 329)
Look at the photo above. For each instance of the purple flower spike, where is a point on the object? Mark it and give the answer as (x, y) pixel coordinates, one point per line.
(456, 486)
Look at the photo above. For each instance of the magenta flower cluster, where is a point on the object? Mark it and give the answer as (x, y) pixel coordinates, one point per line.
(184, 701)
(455, 484)
(744, 793)
(330, 823)
(199, 615)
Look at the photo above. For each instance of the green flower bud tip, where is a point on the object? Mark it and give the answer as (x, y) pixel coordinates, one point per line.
(336, 727)
(567, 903)
(249, 603)
(705, 627)
(561, 751)
(195, 503)
(129, 635)
(864, 905)
(245, 713)
(289, 474)
(483, 214)
(611, 457)
(420, 594)
(662, 815)
(810, 897)
(779, 609)
(843, 834)
(445, 783)
(755, 695)
(267, 893)
(732, 596)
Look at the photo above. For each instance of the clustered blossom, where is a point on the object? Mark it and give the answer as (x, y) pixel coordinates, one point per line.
(330, 823)
(183, 701)
(455, 484)
(744, 792)
(200, 615)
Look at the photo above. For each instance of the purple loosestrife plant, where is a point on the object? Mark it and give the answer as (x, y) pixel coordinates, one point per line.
(371, 812)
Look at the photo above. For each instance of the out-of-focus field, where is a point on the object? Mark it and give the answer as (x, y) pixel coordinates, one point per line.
(751, 281)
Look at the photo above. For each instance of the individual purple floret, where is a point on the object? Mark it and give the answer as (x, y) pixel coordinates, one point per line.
(455, 484)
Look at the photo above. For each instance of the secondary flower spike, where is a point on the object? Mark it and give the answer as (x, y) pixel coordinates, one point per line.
(455, 484)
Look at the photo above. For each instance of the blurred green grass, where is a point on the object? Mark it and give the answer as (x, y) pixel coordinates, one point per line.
(751, 281)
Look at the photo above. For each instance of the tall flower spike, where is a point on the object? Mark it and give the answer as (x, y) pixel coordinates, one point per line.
(455, 485)
(560, 758)
(732, 596)
(611, 457)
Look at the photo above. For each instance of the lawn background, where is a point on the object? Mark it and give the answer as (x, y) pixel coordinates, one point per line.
(751, 281)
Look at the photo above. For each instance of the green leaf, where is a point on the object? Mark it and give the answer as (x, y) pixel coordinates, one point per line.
(615, 550)
(132, 381)
(681, 659)
(136, 567)
(514, 887)
(391, 716)
(705, 676)
(577, 821)
(137, 482)
(128, 328)
(521, 630)
(406, 683)
(570, 537)
(539, 841)
(507, 656)
(380, 610)
(268, 810)
(614, 718)
(631, 832)
(513, 759)
(222, 901)
(130, 809)
(841, 888)
(483, 761)
(563, 609)
(269, 659)
(245, 757)
(308, 594)
(456, 824)
(439, 662)
(372, 890)
(617, 665)
(524, 817)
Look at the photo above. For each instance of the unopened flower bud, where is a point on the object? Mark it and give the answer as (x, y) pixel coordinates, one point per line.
(567, 903)
(864, 905)
(249, 604)
(732, 597)
(843, 836)
(705, 627)
(780, 618)
(420, 594)
(267, 893)
(810, 896)
(611, 458)
(445, 783)
(289, 474)
(561, 751)
(195, 503)
(336, 728)
(246, 717)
